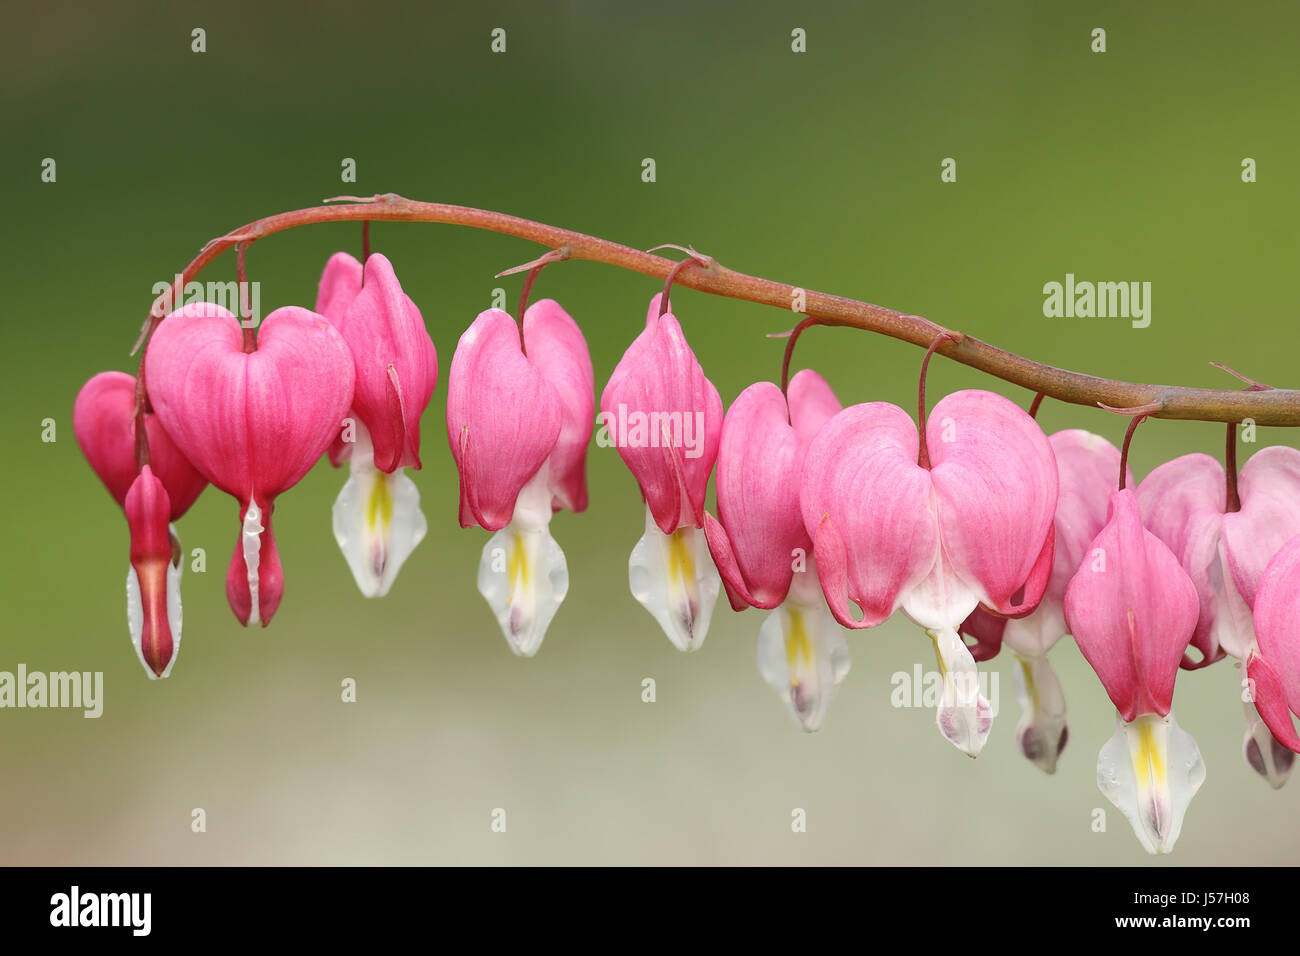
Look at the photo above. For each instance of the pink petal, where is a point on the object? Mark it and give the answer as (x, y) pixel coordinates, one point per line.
(995, 479)
(503, 419)
(103, 420)
(270, 574)
(863, 494)
(252, 424)
(1269, 488)
(1132, 610)
(555, 345)
(1182, 504)
(396, 365)
(760, 460)
(339, 285)
(1277, 618)
(985, 629)
(148, 511)
(812, 403)
(659, 378)
(1269, 695)
(1088, 471)
(724, 559)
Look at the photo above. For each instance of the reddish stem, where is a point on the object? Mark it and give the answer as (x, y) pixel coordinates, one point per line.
(365, 241)
(241, 275)
(1034, 405)
(1272, 407)
(672, 277)
(923, 455)
(1233, 502)
(1123, 455)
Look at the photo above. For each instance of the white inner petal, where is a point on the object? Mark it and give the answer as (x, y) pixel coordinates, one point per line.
(1041, 732)
(1234, 627)
(803, 655)
(964, 715)
(377, 520)
(522, 573)
(251, 539)
(1150, 769)
(135, 616)
(674, 578)
(1268, 758)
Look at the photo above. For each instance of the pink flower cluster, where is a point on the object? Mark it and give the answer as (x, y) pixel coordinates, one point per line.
(980, 528)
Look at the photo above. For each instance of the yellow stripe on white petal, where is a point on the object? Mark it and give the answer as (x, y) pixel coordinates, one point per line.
(803, 655)
(522, 573)
(377, 524)
(1150, 769)
(674, 578)
(964, 715)
(1042, 731)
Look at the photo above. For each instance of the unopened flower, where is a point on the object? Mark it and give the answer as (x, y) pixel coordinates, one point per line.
(519, 420)
(253, 423)
(152, 498)
(974, 527)
(1132, 610)
(670, 445)
(760, 545)
(377, 517)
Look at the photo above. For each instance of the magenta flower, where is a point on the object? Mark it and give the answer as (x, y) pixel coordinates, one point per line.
(665, 418)
(104, 422)
(974, 527)
(377, 517)
(1184, 503)
(760, 545)
(1132, 610)
(253, 423)
(1086, 465)
(1273, 665)
(519, 420)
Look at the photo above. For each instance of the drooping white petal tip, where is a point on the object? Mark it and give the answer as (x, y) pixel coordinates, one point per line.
(1042, 731)
(964, 715)
(1265, 755)
(1150, 769)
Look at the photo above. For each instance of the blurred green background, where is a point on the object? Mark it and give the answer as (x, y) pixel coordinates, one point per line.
(821, 169)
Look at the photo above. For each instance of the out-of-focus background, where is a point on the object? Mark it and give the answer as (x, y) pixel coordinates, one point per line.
(820, 168)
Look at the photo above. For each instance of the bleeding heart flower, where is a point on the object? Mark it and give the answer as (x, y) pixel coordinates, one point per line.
(519, 421)
(1185, 504)
(1132, 610)
(1087, 466)
(665, 418)
(377, 517)
(253, 423)
(975, 527)
(760, 545)
(103, 419)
